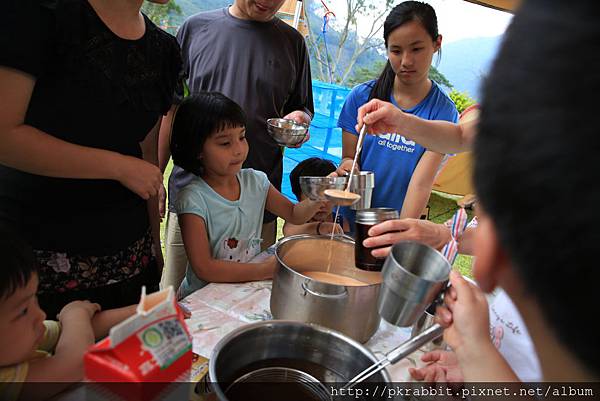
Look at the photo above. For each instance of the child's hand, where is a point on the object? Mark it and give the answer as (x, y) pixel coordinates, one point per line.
(465, 316)
(78, 309)
(317, 206)
(267, 268)
(345, 167)
(443, 367)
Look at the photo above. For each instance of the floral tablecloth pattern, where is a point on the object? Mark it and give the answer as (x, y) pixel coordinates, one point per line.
(220, 308)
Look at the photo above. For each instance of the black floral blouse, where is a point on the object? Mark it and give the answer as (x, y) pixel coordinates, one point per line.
(94, 89)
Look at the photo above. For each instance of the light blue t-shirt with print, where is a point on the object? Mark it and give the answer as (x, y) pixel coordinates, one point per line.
(391, 156)
(233, 227)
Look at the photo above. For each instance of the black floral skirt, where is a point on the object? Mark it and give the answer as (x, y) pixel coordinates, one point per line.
(111, 280)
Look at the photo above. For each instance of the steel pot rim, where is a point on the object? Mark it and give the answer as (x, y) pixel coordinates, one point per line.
(343, 238)
(252, 326)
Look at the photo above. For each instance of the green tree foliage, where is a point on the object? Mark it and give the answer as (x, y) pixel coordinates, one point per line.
(336, 63)
(364, 74)
(462, 100)
(162, 14)
(438, 77)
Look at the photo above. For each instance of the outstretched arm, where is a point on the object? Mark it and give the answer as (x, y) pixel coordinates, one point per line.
(419, 188)
(103, 321)
(298, 213)
(438, 136)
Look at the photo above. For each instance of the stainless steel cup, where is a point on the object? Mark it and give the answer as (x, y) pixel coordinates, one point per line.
(414, 274)
(363, 183)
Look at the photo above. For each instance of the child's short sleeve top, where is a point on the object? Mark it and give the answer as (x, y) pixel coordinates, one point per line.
(12, 377)
(233, 227)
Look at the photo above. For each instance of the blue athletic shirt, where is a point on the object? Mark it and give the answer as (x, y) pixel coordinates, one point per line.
(392, 157)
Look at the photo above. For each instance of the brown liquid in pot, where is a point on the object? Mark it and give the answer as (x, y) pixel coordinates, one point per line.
(331, 278)
(311, 256)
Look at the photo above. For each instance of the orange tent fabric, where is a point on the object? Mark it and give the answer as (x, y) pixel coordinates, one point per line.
(503, 5)
(456, 176)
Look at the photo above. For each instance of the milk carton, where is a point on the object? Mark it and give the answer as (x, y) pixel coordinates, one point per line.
(146, 357)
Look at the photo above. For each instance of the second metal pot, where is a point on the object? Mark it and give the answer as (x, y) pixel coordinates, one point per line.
(351, 310)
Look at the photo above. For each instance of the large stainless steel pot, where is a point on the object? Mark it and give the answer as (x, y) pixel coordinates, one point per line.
(321, 353)
(351, 310)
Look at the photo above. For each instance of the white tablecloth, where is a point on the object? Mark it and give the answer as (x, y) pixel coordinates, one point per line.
(218, 309)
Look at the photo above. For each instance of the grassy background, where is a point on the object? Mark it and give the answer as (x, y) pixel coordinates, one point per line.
(442, 207)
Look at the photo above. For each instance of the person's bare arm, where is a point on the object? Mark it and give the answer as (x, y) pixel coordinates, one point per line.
(164, 139)
(281, 206)
(103, 321)
(26, 148)
(466, 241)
(77, 335)
(419, 188)
(438, 136)
(150, 154)
(197, 248)
(384, 235)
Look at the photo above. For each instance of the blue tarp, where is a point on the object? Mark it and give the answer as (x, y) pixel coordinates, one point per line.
(325, 138)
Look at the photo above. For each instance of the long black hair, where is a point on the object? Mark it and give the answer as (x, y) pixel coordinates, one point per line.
(404, 12)
(197, 117)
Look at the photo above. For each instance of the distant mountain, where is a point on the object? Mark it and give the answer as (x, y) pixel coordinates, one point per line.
(466, 62)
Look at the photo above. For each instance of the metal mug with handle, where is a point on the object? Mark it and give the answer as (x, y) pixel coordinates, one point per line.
(414, 274)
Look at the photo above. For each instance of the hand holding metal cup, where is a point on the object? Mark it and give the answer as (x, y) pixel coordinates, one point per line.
(414, 275)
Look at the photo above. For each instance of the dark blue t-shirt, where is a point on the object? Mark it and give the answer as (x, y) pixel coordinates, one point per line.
(392, 157)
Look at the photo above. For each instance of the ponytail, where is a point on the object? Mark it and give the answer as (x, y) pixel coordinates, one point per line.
(382, 89)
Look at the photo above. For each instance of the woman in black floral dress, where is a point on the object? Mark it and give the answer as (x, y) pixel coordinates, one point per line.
(83, 86)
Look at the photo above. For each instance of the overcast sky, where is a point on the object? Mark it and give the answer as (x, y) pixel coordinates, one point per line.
(457, 19)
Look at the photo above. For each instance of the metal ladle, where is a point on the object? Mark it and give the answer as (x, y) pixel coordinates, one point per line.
(345, 197)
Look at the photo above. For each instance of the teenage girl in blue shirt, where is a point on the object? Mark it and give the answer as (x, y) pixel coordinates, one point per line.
(404, 171)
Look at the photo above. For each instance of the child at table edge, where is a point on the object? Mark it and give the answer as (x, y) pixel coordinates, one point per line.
(220, 211)
(321, 223)
(33, 349)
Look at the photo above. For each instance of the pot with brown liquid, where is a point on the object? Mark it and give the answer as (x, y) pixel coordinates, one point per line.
(317, 282)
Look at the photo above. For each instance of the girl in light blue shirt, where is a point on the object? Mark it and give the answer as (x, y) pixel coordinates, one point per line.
(220, 211)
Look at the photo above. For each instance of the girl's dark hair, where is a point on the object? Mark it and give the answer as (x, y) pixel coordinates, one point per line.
(197, 117)
(17, 262)
(312, 167)
(404, 12)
